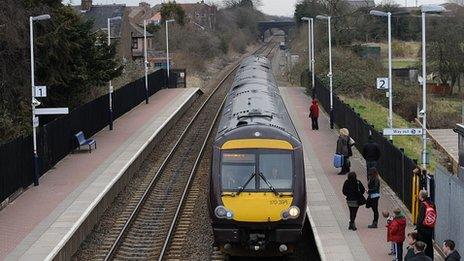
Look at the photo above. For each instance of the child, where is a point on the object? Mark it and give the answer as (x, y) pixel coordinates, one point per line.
(396, 232)
(412, 239)
(386, 215)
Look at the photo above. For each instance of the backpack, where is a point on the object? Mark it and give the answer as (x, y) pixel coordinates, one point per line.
(430, 216)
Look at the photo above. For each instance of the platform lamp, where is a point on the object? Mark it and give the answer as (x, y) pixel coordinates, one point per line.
(424, 10)
(330, 75)
(110, 86)
(167, 47)
(390, 80)
(311, 59)
(145, 54)
(34, 102)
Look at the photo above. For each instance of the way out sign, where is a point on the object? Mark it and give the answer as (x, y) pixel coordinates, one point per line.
(402, 132)
(382, 83)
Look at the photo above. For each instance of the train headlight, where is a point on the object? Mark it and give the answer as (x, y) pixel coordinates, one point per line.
(291, 213)
(222, 212)
(294, 211)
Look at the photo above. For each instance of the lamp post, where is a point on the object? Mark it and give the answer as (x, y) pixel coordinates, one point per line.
(145, 52)
(110, 86)
(424, 10)
(34, 102)
(332, 116)
(390, 80)
(167, 47)
(310, 47)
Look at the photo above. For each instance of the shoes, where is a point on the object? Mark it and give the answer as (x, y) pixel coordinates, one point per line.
(341, 173)
(373, 225)
(352, 226)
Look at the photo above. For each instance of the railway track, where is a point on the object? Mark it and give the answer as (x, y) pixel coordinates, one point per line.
(151, 226)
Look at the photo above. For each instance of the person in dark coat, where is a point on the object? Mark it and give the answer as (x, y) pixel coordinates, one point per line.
(353, 189)
(344, 148)
(419, 248)
(449, 248)
(425, 232)
(314, 114)
(412, 239)
(371, 153)
(373, 191)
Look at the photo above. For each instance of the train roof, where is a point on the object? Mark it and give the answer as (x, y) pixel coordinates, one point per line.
(254, 99)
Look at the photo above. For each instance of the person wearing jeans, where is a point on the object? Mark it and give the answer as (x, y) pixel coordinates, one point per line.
(374, 195)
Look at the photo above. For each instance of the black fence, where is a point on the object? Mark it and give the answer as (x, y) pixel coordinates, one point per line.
(55, 139)
(394, 167)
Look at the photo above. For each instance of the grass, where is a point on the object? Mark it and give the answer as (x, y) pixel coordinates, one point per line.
(400, 63)
(376, 115)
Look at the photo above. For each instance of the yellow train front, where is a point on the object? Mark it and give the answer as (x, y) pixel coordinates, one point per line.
(257, 183)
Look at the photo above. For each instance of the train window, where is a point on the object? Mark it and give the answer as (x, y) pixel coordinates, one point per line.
(236, 169)
(277, 168)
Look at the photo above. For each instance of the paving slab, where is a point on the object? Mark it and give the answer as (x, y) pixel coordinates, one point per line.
(448, 140)
(42, 219)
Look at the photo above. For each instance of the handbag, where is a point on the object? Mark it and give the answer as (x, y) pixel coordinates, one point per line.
(361, 199)
(338, 160)
(369, 202)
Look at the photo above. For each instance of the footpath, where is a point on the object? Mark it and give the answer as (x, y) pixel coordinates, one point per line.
(326, 202)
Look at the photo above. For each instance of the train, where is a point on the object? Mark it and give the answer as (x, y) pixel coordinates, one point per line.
(257, 191)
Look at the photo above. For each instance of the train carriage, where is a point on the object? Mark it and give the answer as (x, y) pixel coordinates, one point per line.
(257, 183)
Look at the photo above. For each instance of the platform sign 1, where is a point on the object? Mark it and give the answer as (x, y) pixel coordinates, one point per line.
(35, 122)
(402, 132)
(40, 91)
(51, 111)
(382, 83)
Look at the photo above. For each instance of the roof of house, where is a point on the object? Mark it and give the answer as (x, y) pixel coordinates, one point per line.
(137, 31)
(100, 14)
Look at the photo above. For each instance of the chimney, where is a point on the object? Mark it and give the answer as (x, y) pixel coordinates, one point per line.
(86, 5)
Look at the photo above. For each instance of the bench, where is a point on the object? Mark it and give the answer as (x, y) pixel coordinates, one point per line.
(82, 141)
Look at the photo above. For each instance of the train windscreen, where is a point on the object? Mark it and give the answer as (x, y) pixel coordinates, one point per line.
(257, 171)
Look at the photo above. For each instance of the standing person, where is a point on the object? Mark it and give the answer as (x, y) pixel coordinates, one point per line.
(412, 239)
(396, 232)
(426, 219)
(344, 149)
(314, 114)
(354, 190)
(371, 153)
(419, 248)
(449, 249)
(373, 191)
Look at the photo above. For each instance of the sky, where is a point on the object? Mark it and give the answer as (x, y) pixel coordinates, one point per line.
(272, 7)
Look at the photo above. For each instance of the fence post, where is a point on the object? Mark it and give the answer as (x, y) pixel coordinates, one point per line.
(402, 174)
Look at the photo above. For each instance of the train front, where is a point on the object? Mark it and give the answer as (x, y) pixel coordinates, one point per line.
(258, 197)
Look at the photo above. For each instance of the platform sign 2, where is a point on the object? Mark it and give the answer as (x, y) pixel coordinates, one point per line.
(41, 91)
(382, 83)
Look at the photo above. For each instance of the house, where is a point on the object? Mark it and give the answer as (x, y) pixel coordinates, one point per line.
(127, 30)
(200, 14)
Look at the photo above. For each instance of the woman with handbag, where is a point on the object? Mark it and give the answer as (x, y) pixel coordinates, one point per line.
(344, 148)
(354, 190)
(373, 195)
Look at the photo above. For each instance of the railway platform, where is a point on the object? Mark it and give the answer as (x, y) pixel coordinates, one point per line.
(327, 207)
(50, 221)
